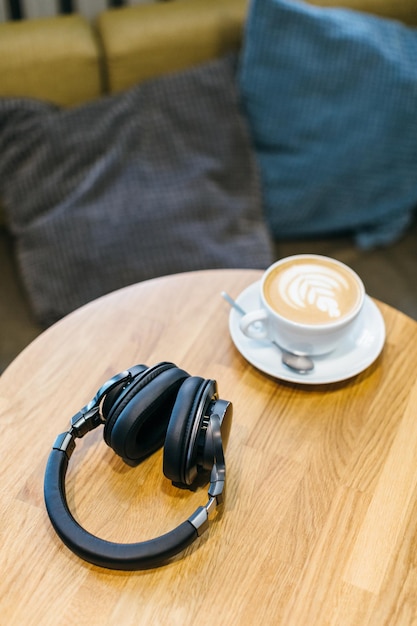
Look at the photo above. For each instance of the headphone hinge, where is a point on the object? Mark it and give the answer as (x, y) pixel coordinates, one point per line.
(84, 421)
(200, 518)
(65, 443)
(216, 490)
(81, 423)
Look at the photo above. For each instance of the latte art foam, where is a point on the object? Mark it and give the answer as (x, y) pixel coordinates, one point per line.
(310, 291)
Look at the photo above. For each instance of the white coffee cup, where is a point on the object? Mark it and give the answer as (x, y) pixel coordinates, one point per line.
(309, 304)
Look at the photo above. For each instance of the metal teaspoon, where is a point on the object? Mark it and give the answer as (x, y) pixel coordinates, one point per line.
(300, 363)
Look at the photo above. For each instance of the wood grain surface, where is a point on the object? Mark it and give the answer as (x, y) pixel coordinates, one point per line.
(320, 521)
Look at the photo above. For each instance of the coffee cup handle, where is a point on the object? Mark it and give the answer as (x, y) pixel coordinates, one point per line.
(248, 321)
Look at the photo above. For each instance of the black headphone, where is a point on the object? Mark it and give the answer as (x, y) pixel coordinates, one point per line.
(142, 409)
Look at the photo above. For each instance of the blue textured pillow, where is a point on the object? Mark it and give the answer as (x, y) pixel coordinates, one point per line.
(331, 98)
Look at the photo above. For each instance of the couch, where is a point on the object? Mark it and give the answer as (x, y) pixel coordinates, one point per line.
(68, 62)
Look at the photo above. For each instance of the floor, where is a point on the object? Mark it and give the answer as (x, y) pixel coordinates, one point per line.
(389, 274)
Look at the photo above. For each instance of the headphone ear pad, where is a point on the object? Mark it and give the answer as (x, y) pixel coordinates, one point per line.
(183, 430)
(114, 394)
(137, 425)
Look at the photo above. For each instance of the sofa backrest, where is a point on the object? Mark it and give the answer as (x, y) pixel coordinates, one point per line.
(149, 40)
(55, 59)
(68, 60)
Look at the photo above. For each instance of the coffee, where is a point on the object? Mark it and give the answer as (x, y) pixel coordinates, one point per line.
(312, 290)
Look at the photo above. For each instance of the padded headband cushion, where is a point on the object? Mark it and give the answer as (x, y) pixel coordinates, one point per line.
(180, 429)
(137, 424)
(151, 553)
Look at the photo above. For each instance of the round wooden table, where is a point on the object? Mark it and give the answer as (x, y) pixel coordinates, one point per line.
(320, 520)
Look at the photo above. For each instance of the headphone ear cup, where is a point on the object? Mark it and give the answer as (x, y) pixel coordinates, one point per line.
(184, 430)
(137, 423)
(113, 395)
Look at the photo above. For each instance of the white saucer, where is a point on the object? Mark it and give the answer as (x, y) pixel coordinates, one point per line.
(353, 356)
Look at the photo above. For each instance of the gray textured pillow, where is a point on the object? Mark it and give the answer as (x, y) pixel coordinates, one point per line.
(155, 180)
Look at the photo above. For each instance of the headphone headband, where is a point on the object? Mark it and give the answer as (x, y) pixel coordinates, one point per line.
(142, 555)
